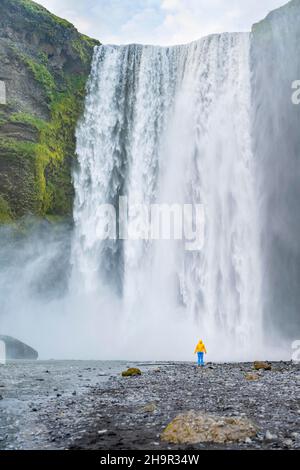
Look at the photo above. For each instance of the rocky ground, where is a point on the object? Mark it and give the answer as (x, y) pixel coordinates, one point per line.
(131, 412)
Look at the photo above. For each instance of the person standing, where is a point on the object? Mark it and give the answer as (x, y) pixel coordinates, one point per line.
(200, 350)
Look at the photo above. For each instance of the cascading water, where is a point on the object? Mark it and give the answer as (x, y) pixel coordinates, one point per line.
(172, 125)
(208, 123)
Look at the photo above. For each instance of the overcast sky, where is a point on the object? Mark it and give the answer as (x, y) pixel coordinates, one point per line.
(161, 22)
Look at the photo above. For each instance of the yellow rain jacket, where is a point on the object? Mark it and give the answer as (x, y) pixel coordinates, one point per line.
(200, 348)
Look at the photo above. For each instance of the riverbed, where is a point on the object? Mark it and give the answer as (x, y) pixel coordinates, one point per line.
(88, 405)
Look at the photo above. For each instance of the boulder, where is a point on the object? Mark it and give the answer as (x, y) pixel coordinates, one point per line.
(15, 349)
(259, 365)
(251, 377)
(196, 427)
(132, 371)
(149, 408)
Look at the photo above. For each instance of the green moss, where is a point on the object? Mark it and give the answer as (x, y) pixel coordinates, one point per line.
(43, 58)
(17, 176)
(41, 75)
(26, 118)
(57, 148)
(3, 119)
(52, 154)
(82, 46)
(44, 23)
(33, 8)
(38, 68)
(90, 42)
(5, 212)
(15, 148)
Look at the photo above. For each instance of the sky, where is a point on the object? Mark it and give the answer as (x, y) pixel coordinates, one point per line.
(160, 22)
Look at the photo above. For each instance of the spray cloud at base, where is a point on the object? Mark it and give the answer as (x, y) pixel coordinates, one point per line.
(94, 325)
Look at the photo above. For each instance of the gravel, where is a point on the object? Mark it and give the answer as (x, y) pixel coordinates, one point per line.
(112, 412)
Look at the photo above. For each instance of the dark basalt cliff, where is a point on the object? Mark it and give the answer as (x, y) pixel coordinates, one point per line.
(44, 66)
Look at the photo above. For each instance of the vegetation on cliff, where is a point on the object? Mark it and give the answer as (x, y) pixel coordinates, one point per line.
(37, 127)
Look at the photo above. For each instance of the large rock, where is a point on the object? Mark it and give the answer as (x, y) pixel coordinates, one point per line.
(251, 377)
(196, 427)
(259, 365)
(149, 408)
(15, 349)
(132, 371)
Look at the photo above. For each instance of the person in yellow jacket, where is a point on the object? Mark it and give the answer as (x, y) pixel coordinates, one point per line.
(200, 349)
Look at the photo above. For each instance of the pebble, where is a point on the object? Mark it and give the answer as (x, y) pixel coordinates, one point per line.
(270, 437)
(112, 408)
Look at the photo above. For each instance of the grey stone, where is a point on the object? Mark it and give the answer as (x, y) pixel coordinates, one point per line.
(15, 349)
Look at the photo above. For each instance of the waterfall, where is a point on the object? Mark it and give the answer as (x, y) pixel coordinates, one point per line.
(211, 123)
(172, 125)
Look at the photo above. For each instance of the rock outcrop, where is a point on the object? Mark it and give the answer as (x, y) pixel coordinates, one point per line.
(16, 350)
(275, 64)
(44, 66)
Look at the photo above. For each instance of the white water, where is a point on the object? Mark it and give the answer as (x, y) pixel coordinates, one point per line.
(171, 125)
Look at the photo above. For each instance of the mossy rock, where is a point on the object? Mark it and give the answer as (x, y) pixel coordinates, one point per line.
(259, 365)
(5, 213)
(195, 427)
(149, 408)
(131, 372)
(251, 377)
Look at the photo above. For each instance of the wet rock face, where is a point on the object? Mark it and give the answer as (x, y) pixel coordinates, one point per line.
(195, 427)
(23, 93)
(15, 349)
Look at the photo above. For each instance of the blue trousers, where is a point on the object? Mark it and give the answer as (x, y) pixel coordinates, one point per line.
(200, 359)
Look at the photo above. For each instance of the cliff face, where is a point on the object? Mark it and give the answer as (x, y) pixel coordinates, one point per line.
(275, 65)
(44, 66)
